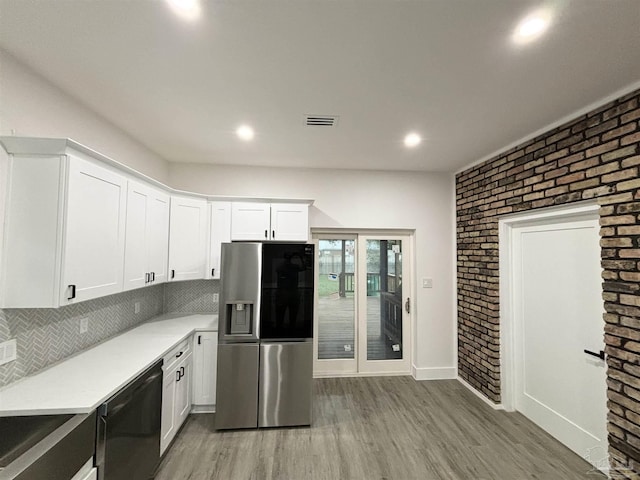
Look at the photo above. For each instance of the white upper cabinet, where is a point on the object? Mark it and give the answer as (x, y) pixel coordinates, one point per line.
(158, 235)
(95, 232)
(79, 225)
(64, 231)
(289, 222)
(147, 236)
(220, 222)
(270, 221)
(188, 238)
(250, 221)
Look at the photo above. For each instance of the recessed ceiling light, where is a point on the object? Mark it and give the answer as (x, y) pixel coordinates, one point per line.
(532, 27)
(187, 9)
(412, 140)
(245, 133)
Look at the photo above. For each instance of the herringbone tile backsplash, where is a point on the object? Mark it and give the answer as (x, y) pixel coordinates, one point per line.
(195, 296)
(48, 335)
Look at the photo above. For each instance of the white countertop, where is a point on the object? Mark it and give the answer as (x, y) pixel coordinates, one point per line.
(81, 383)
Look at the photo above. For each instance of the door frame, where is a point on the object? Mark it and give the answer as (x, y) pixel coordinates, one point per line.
(408, 265)
(506, 226)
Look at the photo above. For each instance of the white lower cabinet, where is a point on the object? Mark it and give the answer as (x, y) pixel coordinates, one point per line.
(176, 392)
(205, 360)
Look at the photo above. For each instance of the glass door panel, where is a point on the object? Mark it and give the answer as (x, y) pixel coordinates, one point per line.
(336, 304)
(384, 299)
(384, 321)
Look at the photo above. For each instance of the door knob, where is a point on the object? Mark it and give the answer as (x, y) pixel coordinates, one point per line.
(599, 354)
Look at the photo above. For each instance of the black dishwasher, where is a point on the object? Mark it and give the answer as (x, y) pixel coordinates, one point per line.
(128, 437)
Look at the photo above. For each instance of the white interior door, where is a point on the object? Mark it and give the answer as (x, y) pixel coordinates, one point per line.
(558, 311)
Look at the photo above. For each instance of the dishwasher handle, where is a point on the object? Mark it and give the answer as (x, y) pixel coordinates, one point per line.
(112, 410)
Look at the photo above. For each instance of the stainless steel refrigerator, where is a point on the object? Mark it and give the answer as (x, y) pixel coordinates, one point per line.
(265, 338)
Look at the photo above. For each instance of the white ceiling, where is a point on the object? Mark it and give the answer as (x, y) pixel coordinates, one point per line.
(445, 68)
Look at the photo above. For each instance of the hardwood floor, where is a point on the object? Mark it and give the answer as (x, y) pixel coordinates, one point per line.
(379, 428)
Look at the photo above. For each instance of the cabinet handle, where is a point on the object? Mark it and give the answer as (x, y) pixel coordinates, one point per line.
(73, 292)
(273, 234)
(179, 355)
(266, 234)
(181, 372)
(146, 278)
(178, 375)
(173, 274)
(153, 276)
(213, 272)
(199, 339)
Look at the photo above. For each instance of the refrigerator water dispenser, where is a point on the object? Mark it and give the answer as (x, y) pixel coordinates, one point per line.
(240, 318)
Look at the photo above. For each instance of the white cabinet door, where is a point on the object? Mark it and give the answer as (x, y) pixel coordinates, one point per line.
(289, 222)
(187, 238)
(135, 252)
(93, 254)
(205, 360)
(183, 391)
(147, 236)
(158, 236)
(168, 427)
(220, 233)
(250, 221)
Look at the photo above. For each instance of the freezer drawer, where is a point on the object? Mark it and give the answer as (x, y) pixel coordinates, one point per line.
(286, 371)
(237, 386)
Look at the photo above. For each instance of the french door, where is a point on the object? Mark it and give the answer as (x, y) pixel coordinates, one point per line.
(362, 324)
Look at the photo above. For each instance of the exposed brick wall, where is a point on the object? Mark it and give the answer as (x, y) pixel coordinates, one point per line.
(594, 156)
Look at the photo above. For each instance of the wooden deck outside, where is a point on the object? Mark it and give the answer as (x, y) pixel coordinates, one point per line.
(336, 329)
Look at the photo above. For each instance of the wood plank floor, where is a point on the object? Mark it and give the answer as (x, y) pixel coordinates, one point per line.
(379, 428)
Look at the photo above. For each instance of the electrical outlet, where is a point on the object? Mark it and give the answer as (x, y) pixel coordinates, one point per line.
(84, 325)
(136, 307)
(427, 283)
(8, 351)
(216, 297)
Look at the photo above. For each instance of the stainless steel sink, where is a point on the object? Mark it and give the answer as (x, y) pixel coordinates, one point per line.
(47, 447)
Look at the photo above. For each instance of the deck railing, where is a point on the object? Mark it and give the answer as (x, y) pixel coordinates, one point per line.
(346, 283)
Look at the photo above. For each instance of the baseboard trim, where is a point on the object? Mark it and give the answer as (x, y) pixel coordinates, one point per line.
(495, 406)
(203, 409)
(348, 375)
(434, 373)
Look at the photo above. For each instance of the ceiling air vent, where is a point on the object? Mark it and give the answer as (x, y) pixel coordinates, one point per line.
(321, 120)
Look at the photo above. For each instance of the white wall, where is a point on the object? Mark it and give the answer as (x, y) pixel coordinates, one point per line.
(365, 199)
(32, 106)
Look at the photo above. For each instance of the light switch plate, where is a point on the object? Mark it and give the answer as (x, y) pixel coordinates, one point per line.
(8, 351)
(427, 283)
(136, 307)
